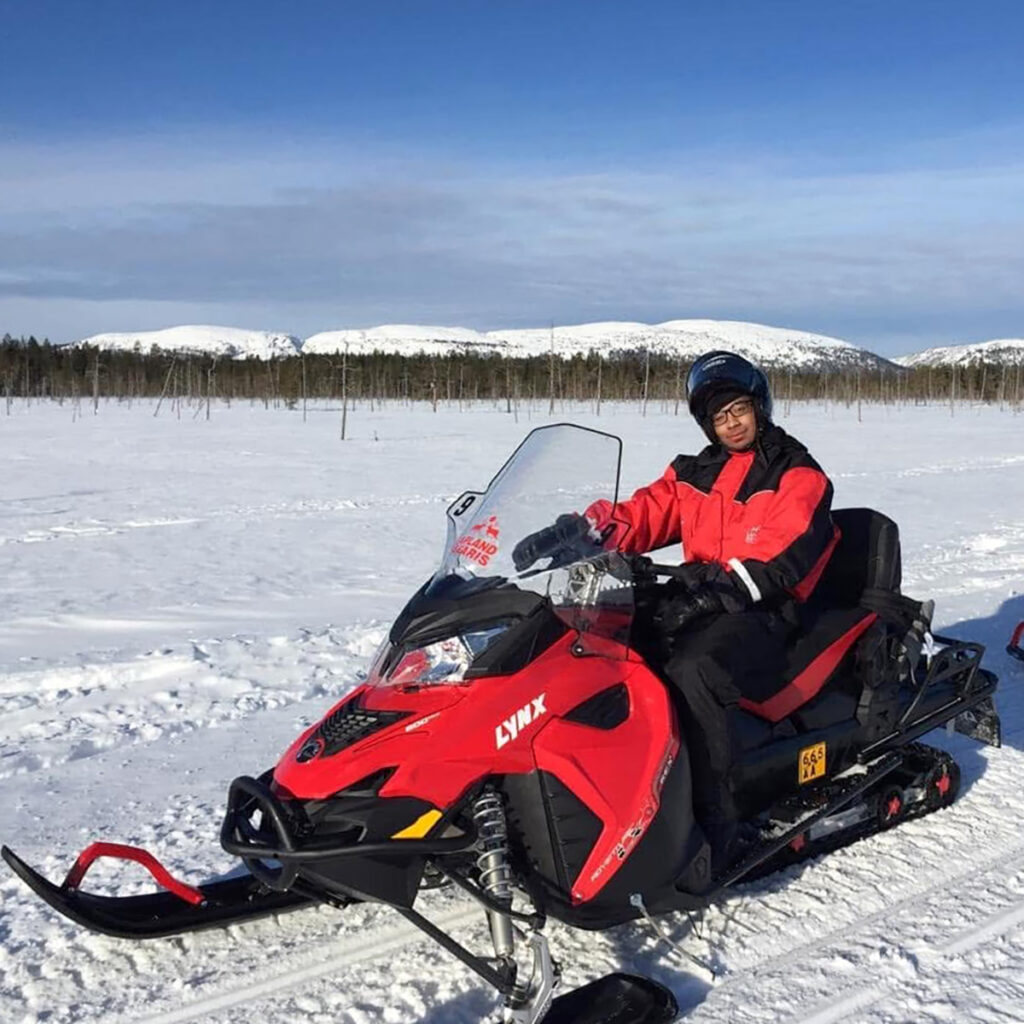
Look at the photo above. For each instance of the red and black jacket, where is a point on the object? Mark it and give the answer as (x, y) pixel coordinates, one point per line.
(758, 521)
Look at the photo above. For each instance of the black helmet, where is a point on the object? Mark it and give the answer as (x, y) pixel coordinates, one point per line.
(719, 375)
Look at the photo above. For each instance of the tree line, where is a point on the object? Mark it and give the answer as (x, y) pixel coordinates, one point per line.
(30, 369)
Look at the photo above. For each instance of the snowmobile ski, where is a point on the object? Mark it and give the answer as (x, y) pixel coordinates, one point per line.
(615, 999)
(177, 909)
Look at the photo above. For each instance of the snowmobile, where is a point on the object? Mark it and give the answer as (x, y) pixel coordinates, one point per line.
(512, 740)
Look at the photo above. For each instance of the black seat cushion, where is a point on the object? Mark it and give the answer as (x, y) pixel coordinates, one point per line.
(867, 556)
(810, 662)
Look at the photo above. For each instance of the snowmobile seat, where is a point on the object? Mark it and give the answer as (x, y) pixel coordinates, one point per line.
(811, 662)
(867, 557)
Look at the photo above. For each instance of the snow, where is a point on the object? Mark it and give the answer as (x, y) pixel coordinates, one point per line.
(999, 350)
(181, 596)
(772, 347)
(224, 342)
(405, 339)
(686, 339)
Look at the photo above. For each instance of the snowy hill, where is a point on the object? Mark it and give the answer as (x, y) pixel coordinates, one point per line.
(402, 339)
(226, 342)
(775, 347)
(778, 348)
(1000, 350)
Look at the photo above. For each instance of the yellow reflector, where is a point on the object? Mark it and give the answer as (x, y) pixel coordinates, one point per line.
(420, 827)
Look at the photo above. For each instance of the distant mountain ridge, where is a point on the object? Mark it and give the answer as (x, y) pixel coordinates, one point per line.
(224, 342)
(999, 350)
(776, 348)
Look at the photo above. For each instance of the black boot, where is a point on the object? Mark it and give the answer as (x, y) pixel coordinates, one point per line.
(721, 834)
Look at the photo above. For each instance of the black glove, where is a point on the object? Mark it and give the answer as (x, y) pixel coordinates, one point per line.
(678, 611)
(569, 536)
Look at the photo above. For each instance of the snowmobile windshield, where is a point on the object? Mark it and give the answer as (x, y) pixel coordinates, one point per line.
(528, 530)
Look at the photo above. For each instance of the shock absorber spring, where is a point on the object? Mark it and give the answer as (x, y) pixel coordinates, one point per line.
(493, 866)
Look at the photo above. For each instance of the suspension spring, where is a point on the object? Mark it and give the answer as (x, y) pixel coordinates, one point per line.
(492, 862)
(493, 866)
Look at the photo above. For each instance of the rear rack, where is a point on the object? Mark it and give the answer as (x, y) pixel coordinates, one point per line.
(970, 708)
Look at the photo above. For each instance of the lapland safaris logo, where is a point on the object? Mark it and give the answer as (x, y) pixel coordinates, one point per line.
(752, 533)
(480, 544)
(518, 721)
(489, 527)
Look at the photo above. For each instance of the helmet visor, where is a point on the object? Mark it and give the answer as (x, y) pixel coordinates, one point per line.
(721, 369)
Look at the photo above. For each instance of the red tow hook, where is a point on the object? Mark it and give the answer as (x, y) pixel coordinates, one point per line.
(160, 874)
(1015, 647)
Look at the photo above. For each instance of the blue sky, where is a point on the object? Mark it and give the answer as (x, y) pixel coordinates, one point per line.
(851, 168)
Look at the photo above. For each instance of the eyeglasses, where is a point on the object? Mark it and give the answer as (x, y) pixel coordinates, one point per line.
(736, 411)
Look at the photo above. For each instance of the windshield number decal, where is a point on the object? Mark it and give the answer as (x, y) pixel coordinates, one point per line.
(464, 506)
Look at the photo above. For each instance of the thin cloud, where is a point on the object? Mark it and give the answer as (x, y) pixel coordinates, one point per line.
(341, 238)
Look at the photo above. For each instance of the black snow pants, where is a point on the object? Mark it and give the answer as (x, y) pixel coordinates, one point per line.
(712, 664)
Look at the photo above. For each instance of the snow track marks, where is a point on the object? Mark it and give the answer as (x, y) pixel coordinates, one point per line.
(958, 913)
(354, 949)
(51, 716)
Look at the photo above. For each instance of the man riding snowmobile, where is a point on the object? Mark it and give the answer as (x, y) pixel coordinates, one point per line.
(512, 739)
(752, 511)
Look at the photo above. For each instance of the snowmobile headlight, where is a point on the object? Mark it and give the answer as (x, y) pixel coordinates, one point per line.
(443, 661)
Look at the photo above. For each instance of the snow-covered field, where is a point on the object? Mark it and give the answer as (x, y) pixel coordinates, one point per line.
(180, 596)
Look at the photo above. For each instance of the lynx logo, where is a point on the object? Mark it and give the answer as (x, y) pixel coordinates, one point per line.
(515, 724)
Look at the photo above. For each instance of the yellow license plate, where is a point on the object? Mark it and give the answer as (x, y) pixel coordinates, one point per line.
(812, 763)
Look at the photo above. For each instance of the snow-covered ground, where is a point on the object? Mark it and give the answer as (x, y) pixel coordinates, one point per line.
(180, 596)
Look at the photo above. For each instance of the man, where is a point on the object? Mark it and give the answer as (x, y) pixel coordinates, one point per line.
(752, 511)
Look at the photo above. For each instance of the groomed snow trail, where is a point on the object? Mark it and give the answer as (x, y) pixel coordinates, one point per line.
(190, 595)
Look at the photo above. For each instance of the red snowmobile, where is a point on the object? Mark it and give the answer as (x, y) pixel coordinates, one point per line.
(511, 740)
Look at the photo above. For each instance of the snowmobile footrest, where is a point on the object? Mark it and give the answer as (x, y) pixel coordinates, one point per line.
(615, 999)
(157, 914)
